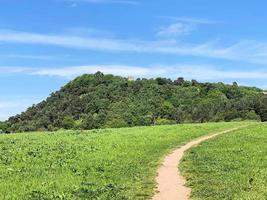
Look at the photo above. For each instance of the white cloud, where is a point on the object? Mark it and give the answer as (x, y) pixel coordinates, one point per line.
(4, 116)
(67, 41)
(24, 56)
(129, 2)
(84, 31)
(187, 20)
(8, 104)
(123, 70)
(246, 51)
(199, 72)
(14, 70)
(10, 107)
(15, 103)
(71, 72)
(180, 26)
(211, 73)
(176, 29)
(38, 57)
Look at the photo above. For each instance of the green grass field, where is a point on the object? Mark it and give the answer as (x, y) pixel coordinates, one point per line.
(232, 166)
(101, 164)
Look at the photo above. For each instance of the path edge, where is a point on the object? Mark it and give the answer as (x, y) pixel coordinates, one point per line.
(171, 169)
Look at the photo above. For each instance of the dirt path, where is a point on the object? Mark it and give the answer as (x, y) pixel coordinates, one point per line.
(171, 184)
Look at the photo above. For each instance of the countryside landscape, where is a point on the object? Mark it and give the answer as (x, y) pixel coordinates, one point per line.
(133, 100)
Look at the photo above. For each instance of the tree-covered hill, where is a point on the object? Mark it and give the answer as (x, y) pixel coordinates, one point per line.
(98, 101)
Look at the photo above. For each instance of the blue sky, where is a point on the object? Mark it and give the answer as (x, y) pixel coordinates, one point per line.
(44, 44)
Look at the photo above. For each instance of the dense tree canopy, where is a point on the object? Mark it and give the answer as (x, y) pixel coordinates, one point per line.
(99, 101)
(3, 127)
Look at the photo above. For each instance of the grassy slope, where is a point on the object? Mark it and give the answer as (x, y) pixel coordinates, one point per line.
(105, 164)
(233, 166)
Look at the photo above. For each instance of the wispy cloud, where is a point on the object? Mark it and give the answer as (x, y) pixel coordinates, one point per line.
(71, 72)
(246, 51)
(123, 70)
(176, 29)
(10, 107)
(188, 20)
(128, 2)
(180, 26)
(4, 116)
(14, 70)
(66, 41)
(8, 104)
(24, 56)
(85, 31)
(38, 57)
(199, 72)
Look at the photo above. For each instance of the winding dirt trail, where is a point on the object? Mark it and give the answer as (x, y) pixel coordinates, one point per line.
(171, 184)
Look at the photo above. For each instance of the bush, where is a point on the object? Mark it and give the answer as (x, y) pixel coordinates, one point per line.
(163, 121)
(116, 123)
(87, 122)
(3, 127)
(253, 116)
(68, 122)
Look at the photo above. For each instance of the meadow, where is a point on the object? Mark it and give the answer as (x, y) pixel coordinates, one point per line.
(232, 166)
(105, 164)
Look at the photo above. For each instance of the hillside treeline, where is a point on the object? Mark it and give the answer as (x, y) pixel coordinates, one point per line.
(98, 101)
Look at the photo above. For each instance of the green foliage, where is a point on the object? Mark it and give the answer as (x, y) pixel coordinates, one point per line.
(116, 122)
(232, 166)
(87, 122)
(162, 121)
(3, 127)
(68, 122)
(261, 107)
(98, 101)
(110, 164)
(253, 116)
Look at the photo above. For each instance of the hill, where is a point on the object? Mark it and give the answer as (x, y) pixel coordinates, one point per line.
(97, 101)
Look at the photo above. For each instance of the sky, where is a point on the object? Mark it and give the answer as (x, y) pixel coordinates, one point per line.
(46, 43)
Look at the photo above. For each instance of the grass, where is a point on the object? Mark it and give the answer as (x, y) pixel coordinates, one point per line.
(233, 166)
(101, 164)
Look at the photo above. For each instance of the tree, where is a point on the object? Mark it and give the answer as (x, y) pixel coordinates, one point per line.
(252, 116)
(68, 122)
(97, 100)
(3, 127)
(163, 81)
(235, 84)
(87, 122)
(164, 121)
(179, 81)
(179, 115)
(195, 83)
(261, 107)
(116, 122)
